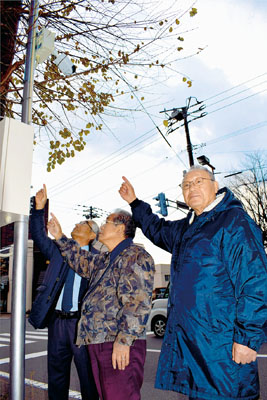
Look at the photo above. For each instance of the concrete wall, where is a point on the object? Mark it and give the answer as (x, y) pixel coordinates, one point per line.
(162, 271)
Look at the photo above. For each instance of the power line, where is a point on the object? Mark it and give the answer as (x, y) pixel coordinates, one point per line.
(84, 173)
(238, 101)
(233, 134)
(234, 87)
(236, 94)
(104, 160)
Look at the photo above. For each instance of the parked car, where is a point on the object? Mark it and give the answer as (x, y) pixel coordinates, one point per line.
(158, 293)
(158, 317)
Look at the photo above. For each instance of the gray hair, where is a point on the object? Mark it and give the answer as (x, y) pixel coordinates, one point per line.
(94, 227)
(125, 218)
(199, 167)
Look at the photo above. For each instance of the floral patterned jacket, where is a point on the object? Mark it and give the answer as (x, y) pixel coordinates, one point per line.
(118, 302)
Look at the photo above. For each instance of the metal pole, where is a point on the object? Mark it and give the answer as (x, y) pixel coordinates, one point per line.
(29, 65)
(17, 353)
(188, 141)
(18, 308)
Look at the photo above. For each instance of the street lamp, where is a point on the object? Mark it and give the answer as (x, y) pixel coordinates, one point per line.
(203, 160)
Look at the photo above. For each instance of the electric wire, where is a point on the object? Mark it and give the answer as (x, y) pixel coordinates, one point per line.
(121, 150)
(234, 87)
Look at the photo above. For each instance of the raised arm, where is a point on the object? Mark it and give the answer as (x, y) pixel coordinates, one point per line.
(41, 198)
(54, 227)
(37, 225)
(127, 191)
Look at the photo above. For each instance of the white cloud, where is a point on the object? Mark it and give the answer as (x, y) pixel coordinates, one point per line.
(235, 35)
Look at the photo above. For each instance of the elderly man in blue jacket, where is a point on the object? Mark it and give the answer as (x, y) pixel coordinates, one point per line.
(57, 305)
(217, 311)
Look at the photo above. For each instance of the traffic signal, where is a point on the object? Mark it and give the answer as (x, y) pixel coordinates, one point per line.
(162, 204)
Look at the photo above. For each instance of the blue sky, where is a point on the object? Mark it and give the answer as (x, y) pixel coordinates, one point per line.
(229, 76)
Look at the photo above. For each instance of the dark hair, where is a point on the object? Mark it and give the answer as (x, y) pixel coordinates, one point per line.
(125, 218)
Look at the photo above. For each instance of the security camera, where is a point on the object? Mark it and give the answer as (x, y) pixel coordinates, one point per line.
(64, 63)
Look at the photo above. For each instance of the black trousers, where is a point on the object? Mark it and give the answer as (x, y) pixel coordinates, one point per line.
(61, 351)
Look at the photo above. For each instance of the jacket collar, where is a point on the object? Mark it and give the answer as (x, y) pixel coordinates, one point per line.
(219, 197)
(120, 247)
(98, 246)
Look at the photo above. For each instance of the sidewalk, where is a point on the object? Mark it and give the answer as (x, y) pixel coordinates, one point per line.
(31, 393)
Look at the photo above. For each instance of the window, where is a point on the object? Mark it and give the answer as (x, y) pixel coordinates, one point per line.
(167, 278)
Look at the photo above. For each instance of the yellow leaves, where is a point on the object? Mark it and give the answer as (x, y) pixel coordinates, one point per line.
(193, 12)
(137, 48)
(16, 80)
(177, 21)
(165, 123)
(180, 38)
(70, 106)
(65, 133)
(85, 62)
(179, 48)
(170, 29)
(125, 58)
(189, 82)
(162, 22)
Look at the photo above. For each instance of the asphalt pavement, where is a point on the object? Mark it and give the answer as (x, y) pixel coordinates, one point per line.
(36, 369)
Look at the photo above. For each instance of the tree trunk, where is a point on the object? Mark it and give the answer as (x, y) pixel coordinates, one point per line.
(10, 15)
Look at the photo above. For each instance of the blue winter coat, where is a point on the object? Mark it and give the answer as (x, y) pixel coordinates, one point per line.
(218, 295)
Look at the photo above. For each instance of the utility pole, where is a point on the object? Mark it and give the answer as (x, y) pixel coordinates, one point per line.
(188, 141)
(181, 114)
(90, 212)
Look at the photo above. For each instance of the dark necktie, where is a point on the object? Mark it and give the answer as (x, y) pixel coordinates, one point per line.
(68, 291)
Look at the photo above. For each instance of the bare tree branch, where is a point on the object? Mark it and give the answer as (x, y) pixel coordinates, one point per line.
(250, 189)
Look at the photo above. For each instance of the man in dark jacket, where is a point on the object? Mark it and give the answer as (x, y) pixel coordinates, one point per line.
(57, 305)
(217, 311)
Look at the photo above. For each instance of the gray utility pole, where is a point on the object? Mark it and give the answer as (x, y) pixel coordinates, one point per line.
(18, 308)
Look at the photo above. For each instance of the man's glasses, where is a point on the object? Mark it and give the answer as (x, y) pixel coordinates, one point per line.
(111, 222)
(196, 182)
(85, 223)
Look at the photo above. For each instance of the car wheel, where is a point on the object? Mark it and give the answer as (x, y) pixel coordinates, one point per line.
(159, 326)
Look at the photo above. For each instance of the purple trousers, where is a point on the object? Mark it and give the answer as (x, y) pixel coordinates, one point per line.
(115, 384)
